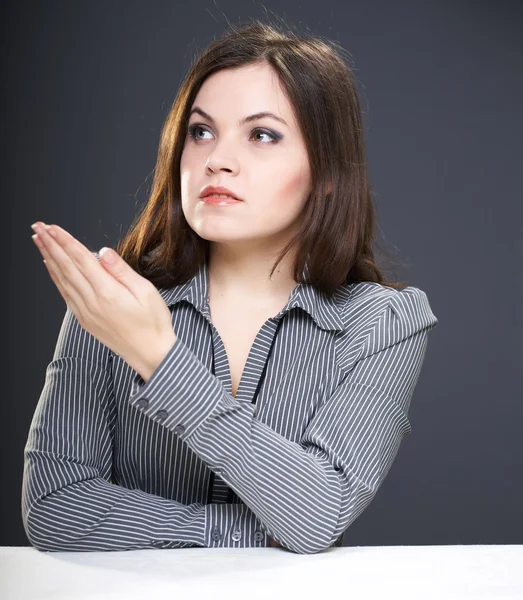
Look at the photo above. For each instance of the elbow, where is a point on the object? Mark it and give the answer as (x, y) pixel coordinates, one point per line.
(317, 545)
(29, 505)
(307, 548)
(45, 539)
(37, 541)
(321, 529)
(312, 542)
(41, 531)
(35, 536)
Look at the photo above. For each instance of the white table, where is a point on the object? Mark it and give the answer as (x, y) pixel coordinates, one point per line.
(359, 572)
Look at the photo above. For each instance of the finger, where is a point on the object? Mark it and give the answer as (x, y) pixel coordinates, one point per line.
(68, 300)
(122, 272)
(65, 282)
(72, 280)
(84, 260)
(51, 268)
(48, 262)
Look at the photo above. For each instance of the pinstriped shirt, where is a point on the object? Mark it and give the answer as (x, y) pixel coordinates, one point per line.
(116, 463)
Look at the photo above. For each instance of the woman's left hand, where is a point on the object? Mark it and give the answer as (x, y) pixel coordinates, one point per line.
(110, 300)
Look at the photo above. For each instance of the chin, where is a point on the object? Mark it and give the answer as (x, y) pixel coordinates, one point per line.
(217, 234)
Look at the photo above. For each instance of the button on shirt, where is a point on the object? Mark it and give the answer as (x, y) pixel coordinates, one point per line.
(115, 463)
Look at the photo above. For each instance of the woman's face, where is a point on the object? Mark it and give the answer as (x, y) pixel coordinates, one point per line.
(264, 161)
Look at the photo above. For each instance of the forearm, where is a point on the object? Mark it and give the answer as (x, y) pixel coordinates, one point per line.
(96, 515)
(296, 495)
(153, 354)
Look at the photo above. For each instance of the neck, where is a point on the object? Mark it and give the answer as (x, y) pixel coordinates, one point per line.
(238, 273)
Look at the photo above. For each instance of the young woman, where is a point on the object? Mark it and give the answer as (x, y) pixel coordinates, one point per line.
(241, 374)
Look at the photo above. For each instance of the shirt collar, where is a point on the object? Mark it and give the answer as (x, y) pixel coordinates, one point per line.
(325, 312)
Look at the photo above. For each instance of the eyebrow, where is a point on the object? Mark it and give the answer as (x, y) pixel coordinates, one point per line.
(258, 115)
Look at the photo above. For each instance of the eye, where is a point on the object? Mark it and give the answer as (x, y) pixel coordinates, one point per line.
(275, 137)
(269, 133)
(193, 129)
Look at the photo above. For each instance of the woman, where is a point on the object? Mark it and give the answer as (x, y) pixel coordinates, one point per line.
(271, 405)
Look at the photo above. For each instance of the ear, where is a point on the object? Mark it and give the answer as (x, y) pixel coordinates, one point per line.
(329, 188)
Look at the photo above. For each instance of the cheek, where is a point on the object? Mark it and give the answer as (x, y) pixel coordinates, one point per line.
(185, 164)
(295, 185)
(188, 158)
(291, 190)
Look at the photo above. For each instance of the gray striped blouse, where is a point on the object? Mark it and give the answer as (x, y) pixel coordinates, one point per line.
(115, 463)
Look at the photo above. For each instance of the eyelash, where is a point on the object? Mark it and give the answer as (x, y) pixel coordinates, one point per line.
(276, 138)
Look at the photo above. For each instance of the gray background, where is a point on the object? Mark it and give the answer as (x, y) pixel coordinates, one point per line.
(85, 89)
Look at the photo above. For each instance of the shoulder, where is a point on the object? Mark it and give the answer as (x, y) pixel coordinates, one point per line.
(376, 316)
(367, 299)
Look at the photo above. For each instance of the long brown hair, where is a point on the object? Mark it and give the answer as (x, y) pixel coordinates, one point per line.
(337, 228)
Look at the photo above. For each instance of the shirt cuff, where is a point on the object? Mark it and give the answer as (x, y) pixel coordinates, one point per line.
(181, 392)
(233, 526)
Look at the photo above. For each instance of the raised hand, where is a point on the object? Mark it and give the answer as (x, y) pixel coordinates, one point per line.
(111, 301)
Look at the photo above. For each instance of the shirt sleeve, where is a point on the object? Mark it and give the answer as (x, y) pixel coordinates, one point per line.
(69, 502)
(306, 494)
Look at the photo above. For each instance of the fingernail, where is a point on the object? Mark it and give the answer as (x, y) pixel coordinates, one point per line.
(109, 258)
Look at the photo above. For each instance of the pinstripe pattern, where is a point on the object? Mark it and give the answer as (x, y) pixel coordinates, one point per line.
(114, 463)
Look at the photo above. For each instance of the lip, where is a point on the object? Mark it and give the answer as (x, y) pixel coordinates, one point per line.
(211, 189)
(216, 201)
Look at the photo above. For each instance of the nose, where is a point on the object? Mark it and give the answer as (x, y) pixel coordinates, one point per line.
(212, 168)
(221, 160)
